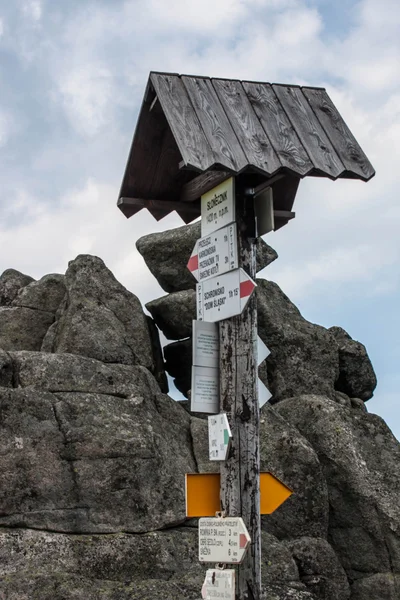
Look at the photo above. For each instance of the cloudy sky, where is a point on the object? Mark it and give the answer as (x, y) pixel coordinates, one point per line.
(72, 76)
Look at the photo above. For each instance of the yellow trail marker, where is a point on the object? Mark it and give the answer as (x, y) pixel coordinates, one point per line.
(203, 489)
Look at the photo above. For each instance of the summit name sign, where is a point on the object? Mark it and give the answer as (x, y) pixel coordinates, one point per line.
(218, 207)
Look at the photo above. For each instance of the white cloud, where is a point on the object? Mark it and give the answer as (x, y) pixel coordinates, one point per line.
(95, 58)
(86, 93)
(5, 127)
(86, 221)
(32, 9)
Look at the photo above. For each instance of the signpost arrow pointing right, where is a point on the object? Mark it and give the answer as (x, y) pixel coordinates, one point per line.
(223, 540)
(223, 296)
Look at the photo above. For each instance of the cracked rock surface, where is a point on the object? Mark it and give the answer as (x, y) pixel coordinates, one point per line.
(93, 454)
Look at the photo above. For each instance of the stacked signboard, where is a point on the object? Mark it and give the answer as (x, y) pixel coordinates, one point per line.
(223, 291)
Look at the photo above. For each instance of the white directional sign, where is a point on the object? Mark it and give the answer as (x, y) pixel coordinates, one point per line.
(219, 583)
(219, 437)
(224, 296)
(263, 393)
(214, 254)
(222, 540)
(262, 351)
(205, 390)
(218, 207)
(205, 338)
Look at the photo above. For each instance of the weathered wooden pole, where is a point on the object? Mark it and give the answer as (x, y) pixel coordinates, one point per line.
(240, 473)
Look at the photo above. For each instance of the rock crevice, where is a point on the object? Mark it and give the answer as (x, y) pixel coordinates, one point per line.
(93, 453)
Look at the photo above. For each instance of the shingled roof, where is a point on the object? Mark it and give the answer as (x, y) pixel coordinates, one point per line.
(191, 125)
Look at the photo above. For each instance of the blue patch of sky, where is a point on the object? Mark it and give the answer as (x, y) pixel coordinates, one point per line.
(338, 17)
(367, 321)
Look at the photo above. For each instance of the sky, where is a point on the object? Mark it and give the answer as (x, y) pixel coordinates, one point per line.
(72, 77)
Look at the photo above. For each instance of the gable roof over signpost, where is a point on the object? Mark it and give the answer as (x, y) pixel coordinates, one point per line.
(194, 132)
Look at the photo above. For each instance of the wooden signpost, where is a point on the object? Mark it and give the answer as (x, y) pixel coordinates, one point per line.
(224, 263)
(246, 182)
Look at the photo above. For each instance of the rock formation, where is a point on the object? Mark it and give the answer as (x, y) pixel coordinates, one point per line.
(94, 453)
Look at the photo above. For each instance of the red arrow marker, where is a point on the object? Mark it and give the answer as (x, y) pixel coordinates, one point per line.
(246, 288)
(193, 264)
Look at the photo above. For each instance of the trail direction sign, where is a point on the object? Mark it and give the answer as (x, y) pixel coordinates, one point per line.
(224, 296)
(214, 254)
(219, 436)
(219, 583)
(223, 540)
(263, 393)
(203, 494)
(262, 351)
(218, 207)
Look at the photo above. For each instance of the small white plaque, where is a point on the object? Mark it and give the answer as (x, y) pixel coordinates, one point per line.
(219, 584)
(205, 390)
(224, 296)
(219, 436)
(222, 540)
(214, 254)
(264, 209)
(218, 207)
(205, 344)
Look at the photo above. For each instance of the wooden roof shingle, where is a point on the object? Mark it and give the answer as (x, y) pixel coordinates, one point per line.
(191, 125)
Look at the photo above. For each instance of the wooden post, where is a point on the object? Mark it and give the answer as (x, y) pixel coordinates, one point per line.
(240, 488)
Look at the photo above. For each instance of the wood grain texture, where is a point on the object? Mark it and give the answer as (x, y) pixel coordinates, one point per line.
(189, 135)
(314, 139)
(339, 134)
(240, 491)
(216, 126)
(145, 150)
(280, 131)
(252, 137)
(201, 184)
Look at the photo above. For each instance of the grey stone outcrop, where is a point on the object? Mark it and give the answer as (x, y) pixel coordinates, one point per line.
(11, 281)
(360, 459)
(87, 447)
(93, 454)
(356, 374)
(45, 294)
(100, 318)
(167, 254)
(174, 313)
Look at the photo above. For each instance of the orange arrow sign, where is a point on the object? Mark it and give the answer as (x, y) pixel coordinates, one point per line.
(203, 490)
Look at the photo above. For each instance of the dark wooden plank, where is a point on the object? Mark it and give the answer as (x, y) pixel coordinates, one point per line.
(284, 192)
(145, 150)
(165, 205)
(314, 139)
(284, 214)
(252, 137)
(280, 131)
(201, 184)
(216, 126)
(189, 135)
(167, 177)
(339, 134)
